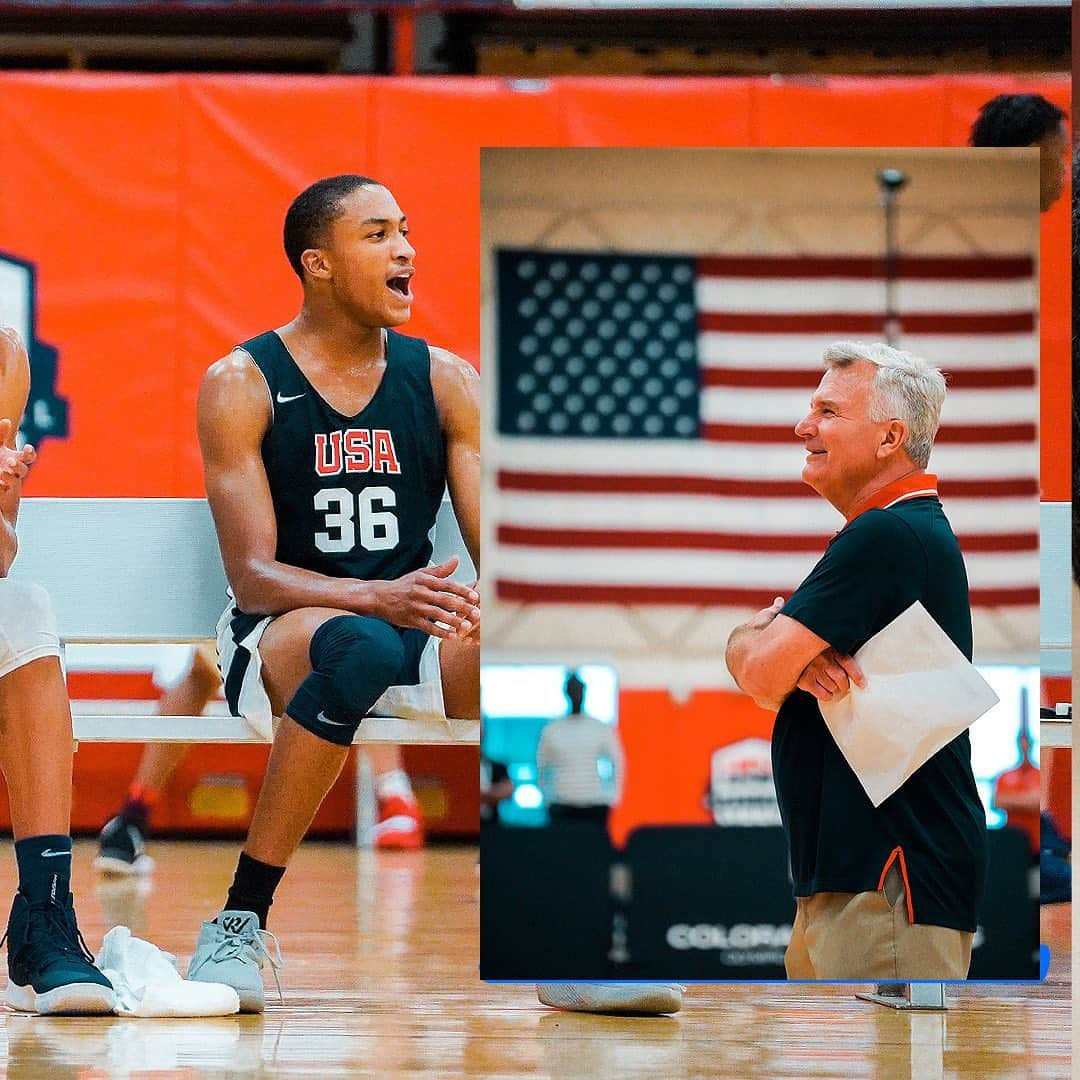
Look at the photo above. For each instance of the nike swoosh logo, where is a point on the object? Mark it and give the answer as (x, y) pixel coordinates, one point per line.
(324, 719)
(48, 853)
(284, 400)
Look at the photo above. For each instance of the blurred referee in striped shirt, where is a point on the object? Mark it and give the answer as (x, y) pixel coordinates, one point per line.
(580, 762)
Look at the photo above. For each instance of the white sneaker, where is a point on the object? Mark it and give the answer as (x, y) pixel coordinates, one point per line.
(620, 998)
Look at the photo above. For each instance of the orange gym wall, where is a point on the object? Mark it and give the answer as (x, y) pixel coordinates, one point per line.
(151, 207)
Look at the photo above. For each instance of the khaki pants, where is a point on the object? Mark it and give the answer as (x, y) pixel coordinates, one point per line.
(867, 936)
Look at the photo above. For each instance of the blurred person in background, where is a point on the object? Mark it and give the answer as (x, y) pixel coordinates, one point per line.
(1016, 792)
(573, 754)
(495, 787)
(569, 759)
(121, 847)
(189, 679)
(1028, 120)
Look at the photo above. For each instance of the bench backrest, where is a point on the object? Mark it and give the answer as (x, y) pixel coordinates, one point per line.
(130, 570)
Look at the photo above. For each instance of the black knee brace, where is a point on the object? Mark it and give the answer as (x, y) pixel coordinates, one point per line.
(354, 658)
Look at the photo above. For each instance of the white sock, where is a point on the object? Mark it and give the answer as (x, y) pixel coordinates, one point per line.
(395, 782)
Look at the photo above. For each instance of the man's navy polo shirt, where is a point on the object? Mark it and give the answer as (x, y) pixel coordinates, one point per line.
(899, 550)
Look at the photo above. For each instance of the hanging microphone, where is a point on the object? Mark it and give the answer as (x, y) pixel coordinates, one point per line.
(892, 180)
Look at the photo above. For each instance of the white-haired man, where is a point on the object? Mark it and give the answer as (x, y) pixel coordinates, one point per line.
(892, 892)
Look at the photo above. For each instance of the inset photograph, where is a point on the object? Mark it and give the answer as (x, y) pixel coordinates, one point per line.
(760, 669)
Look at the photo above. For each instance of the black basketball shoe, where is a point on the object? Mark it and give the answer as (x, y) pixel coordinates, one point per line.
(50, 969)
(121, 851)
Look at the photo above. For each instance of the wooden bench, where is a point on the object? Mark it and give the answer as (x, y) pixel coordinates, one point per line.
(123, 572)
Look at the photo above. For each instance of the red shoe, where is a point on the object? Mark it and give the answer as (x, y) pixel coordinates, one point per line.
(400, 824)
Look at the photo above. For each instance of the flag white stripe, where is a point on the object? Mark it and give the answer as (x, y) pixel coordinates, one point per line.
(802, 296)
(749, 405)
(749, 461)
(782, 352)
(660, 567)
(723, 514)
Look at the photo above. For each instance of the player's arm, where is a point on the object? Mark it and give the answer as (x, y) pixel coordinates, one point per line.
(769, 655)
(234, 412)
(14, 390)
(456, 387)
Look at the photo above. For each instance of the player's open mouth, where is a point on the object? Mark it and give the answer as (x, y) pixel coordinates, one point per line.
(400, 285)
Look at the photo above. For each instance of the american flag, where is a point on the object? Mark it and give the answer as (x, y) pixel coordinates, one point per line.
(646, 405)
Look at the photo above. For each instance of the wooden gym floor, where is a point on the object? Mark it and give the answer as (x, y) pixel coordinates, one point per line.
(381, 954)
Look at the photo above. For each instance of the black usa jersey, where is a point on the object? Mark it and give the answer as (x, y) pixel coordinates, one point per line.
(354, 496)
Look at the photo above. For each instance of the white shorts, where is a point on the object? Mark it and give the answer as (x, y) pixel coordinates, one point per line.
(27, 625)
(241, 666)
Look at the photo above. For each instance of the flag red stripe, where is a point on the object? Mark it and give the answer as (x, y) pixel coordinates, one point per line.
(536, 593)
(840, 322)
(953, 433)
(936, 268)
(690, 540)
(807, 379)
(571, 483)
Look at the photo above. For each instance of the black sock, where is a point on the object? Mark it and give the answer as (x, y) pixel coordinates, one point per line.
(44, 868)
(253, 887)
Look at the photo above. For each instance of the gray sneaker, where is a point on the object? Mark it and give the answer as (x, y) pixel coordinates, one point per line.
(624, 999)
(231, 949)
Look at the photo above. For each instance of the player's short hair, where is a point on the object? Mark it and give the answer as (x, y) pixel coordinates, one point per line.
(1015, 120)
(313, 210)
(575, 691)
(905, 387)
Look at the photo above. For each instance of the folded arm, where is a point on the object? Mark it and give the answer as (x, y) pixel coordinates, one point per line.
(770, 655)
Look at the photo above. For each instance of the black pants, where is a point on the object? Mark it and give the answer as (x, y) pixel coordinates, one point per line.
(560, 813)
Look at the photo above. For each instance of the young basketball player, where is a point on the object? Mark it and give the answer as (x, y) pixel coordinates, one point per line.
(327, 445)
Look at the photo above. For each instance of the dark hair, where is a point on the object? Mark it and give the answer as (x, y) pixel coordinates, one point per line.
(314, 209)
(1015, 120)
(575, 691)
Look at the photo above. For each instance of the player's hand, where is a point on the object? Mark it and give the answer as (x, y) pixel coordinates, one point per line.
(830, 674)
(428, 600)
(14, 464)
(472, 637)
(766, 615)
